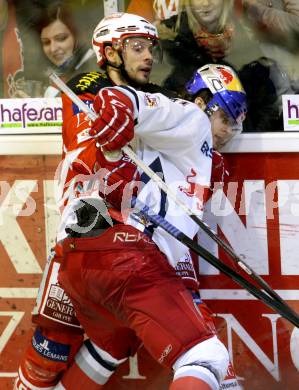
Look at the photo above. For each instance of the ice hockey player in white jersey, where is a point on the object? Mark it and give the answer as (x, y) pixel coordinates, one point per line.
(121, 277)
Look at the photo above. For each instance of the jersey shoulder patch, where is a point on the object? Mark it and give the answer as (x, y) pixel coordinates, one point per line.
(89, 82)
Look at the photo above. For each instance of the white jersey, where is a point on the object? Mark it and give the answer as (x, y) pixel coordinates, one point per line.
(175, 141)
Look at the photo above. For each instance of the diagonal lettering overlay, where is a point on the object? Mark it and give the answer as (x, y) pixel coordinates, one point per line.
(234, 325)
(18, 202)
(134, 370)
(250, 240)
(16, 317)
(52, 215)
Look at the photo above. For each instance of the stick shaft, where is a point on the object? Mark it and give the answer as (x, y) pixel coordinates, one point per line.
(113, 156)
(279, 306)
(163, 186)
(74, 98)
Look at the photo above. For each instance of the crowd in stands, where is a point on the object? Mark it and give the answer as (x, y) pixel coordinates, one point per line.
(258, 38)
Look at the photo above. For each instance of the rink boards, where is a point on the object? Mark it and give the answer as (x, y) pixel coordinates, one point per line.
(257, 214)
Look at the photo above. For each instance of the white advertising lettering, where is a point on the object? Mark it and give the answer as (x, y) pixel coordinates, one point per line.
(256, 215)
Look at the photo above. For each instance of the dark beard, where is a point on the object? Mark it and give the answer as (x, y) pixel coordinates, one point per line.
(132, 83)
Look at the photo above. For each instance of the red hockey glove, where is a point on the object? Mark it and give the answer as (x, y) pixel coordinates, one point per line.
(114, 127)
(119, 180)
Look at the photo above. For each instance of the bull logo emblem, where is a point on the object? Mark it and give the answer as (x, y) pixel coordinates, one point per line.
(226, 76)
(196, 190)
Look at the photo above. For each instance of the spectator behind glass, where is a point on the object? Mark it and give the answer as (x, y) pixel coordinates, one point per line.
(211, 26)
(274, 25)
(211, 31)
(276, 28)
(10, 42)
(204, 32)
(64, 52)
(264, 82)
(188, 41)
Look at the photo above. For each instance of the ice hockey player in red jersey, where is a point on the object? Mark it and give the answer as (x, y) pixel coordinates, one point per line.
(88, 86)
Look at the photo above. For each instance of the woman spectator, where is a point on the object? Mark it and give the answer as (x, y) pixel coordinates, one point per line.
(204, 32)
(211, 31)
(65, 54)
(211, 25)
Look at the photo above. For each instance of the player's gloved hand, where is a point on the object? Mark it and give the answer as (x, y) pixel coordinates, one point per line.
(114, 127)
(119, 179)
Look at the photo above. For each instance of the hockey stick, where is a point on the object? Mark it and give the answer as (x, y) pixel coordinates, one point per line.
(280, 307)
(163, 186)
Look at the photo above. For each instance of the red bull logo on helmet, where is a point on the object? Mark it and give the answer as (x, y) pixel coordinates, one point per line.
(229, 79)
(225, 76)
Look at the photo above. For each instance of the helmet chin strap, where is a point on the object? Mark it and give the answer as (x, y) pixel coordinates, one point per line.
(119, 68)
(113, 66)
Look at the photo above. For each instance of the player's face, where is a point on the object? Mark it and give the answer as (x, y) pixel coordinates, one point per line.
(57, 42)
(138, 59)
(206, 11)
(222, 129)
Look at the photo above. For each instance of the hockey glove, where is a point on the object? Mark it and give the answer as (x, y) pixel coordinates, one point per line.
(120, 179)
(114, 127)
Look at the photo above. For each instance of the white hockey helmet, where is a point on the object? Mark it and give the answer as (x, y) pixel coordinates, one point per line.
(113, 29)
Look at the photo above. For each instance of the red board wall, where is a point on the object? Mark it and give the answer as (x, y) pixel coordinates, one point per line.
(261, 345)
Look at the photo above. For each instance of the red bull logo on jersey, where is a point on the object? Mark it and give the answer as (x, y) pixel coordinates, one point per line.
(196, 190)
